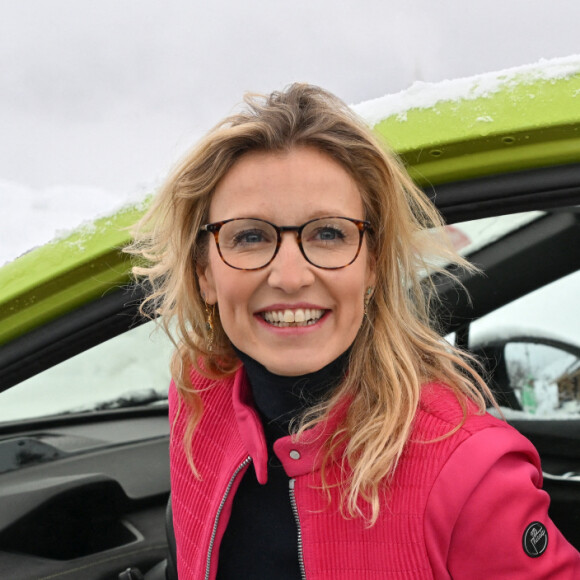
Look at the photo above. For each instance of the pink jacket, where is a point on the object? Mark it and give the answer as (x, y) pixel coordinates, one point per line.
(467, 506)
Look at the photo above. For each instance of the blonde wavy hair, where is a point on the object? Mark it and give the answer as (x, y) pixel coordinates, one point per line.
(397, 348)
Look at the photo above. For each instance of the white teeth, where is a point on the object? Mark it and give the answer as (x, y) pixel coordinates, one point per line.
(298, 317)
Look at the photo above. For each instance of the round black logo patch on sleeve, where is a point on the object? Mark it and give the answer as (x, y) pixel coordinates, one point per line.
(535, 540)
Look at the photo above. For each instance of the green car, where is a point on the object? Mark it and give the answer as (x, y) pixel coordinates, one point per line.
(84, 475)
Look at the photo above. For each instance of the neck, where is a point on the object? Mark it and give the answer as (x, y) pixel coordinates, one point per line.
(279, 399)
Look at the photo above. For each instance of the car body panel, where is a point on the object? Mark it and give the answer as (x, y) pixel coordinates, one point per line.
(64, 274)
(496, 122)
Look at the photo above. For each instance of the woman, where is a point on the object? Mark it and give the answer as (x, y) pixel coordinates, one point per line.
(320, 427)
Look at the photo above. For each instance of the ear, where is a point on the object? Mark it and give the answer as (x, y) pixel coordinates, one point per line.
(206, 283)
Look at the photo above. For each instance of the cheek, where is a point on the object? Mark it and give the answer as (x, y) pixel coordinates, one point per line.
(234, 291)
(360, 290)
(218, 281)
(349, 294)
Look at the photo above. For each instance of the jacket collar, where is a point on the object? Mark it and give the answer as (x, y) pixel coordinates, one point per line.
(298, 457)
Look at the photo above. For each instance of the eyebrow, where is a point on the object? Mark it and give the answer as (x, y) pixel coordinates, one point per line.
(321, 214)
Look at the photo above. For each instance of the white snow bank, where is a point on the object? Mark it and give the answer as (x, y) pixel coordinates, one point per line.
(51, 212)
(422, 95)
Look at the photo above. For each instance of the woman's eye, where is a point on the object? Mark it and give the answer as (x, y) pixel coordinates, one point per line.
(328, 234)
(250, 237)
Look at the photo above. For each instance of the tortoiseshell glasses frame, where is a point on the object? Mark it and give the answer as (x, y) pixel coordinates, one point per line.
(332, 257)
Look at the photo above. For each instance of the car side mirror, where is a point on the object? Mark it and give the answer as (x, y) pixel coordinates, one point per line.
(544, 376)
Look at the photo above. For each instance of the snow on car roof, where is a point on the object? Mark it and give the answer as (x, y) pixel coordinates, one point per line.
(423, 95)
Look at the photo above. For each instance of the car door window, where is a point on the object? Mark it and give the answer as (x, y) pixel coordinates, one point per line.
(535, 341)
(129, 370)
(544, 377)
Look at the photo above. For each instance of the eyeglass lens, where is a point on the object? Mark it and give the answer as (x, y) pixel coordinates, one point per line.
(251, 243)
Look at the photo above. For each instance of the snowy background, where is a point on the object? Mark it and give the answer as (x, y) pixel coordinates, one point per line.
(97, 99)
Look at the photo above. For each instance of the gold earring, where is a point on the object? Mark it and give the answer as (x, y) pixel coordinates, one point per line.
(209, 325)
(367, 299)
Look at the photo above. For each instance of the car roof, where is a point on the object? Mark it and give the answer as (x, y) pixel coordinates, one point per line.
(448, 134)
(516, 119)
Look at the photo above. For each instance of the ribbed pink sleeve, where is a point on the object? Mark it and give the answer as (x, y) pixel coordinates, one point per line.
(477, 530)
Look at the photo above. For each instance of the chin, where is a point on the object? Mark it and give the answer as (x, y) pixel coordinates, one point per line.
(290, 369)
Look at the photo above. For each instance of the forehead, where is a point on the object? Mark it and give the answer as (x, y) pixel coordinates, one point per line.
(300, 184)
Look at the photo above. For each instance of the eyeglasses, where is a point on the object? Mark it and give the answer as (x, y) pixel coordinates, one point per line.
(251, 244)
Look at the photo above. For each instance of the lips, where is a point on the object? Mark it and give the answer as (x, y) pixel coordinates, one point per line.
(293, 317)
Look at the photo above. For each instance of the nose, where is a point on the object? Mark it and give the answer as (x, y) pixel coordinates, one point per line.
(289, 270)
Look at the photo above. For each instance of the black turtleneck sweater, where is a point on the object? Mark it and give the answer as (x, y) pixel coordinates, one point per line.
(261, 540)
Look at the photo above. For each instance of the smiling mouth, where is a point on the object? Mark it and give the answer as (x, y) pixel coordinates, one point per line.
(298, 317)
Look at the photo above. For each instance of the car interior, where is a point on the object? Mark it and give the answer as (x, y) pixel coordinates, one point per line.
(85, 493)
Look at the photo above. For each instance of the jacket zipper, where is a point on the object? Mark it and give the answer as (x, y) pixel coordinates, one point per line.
(219, 511)
(295, 512)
